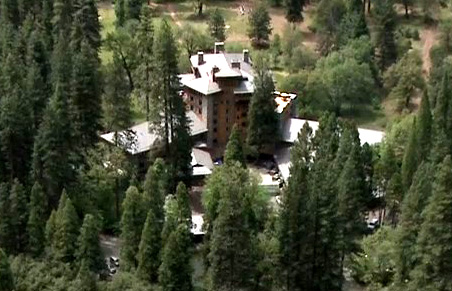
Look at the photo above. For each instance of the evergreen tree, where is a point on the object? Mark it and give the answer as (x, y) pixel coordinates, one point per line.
(263, 128)
(234, 149)
(231, 264)
(175, 271)
(385, 40)
(183, 205)
(51, 228)
(435, 240)
(116, 99)
(85, 280)
(10, 12)
(171, 218)
(294, 218)
(259, 25)
(294, 9)
(89, 253)
(120, 13)
(132, 9)
(54, 157)
(169, 117)
(394, 197)
(144, 70)
(15, 120)
(148, 256)
(86, 21)
(217, 26)
(62, 18)
(37, 220)
(132, 221)
(6, 276)
(19, 216)
(424, 129)
(64, 242)
(6, 230)
(410, 158)
(155, 190)
(46, 20)
(410, 222)
(86, 92)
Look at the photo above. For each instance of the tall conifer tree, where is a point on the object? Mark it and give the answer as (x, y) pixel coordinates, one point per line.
(149, 251)
(19, 215)
(385, 40)
(37, 220)
(6, 276)
(234, 149)
(64, 243)
(88, 251)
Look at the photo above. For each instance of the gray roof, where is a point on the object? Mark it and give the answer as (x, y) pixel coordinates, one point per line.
(139, 138)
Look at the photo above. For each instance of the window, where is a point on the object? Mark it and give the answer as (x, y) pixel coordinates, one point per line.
(214, 129)
(215, 121)
(215, 140)
(227, 128)
(243, 124)
(191, 98)
(200, 101)
(191, 107)
(200, 111)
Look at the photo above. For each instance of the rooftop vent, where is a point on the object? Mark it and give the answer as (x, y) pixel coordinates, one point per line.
(200, 58)
(219, 47)
(246, 56)
(215, 70)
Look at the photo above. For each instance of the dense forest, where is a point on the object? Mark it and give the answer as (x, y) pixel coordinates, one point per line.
(60, 188)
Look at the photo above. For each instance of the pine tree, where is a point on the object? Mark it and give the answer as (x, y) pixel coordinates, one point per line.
(263, 128)
(217, 26)
(85, 97)
(234, 149)
(50, 228)
(294, 9)
(148, 256)
(385, 41)
(62, 18)
(175, 271)
(183, 205)
(132, 9)
(120, 13)
(410, 221)
(37, 220)
(10, 12)
(294, 218)
(171, 218)
(6, 230)
(85, 280)
(435, 240)
(169, 117)
(19, 216)
(260, 25)
(15, 120)
(155, 190)
(116, 101)
(88, 248)
(144, 70)
(46, 20)
(424, 129)
(410, 158)
(231, 264)
(132, 221)
(64, 244)
(86, 20)
(6, 276)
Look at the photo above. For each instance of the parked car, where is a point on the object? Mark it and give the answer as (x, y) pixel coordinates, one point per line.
(114, 261)
(373, 224)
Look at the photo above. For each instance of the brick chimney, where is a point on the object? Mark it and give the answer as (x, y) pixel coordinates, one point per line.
(215, 70)
(219, 47)
(235, 64)
(246, 56)
(200, 58)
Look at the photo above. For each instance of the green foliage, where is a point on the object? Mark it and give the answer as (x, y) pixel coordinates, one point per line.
(132, 9)
(132, 220)
(424, 129)
(410, 158)
(262, 117)
(294, 9)
(375, 264)
(403, 78)
(234, 149)
(37, 220)
(6, 276)
(155, 189)
(18, 216)
(183, 205)
(385, 24)
(217, 26)
(194, 39)
(327, 22)
(175, 270)
(150, 249)
(434, 241)
(89, 254)
(259, 26)
(64, 244)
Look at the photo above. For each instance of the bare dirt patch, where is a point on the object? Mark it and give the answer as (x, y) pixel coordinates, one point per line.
(428, 39)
